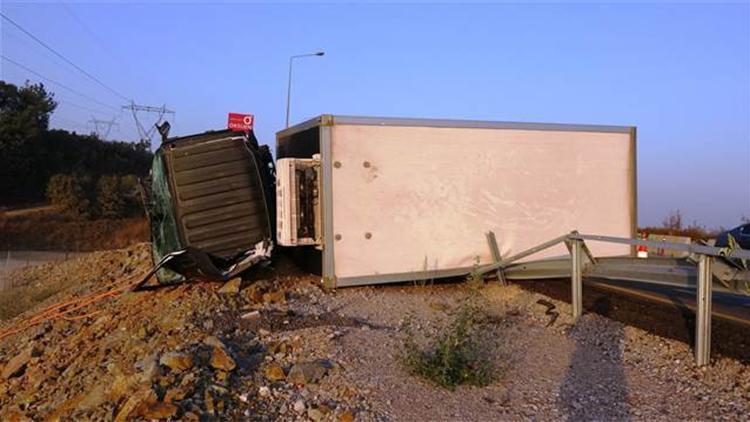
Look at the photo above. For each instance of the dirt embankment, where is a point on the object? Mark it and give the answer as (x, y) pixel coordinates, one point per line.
(43, 228)
(279, 347)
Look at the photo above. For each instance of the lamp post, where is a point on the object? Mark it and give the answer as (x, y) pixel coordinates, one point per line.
(289, 84)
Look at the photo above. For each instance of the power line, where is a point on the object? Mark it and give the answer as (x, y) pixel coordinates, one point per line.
(28, 45)
(65, 59)
(97, 40)
(39, 75)
(70, 103)
(70, 123)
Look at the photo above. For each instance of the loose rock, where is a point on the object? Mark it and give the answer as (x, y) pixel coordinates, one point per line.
(308, 372)
(315, 414)
(158, 410)
(275, 373)
(346, 416)
(177, 361)
(220, 359)
(16, 366)
(274, 297)
(231, 286)
(251, 315)
(299, 406)
(254, 293)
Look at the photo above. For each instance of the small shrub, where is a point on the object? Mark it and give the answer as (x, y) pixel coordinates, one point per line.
(131, 192)
(673, 221)
(452, 357)
(674, 225)
(475, 280)
(424, 282)
(118, 197)
(70, 194)
(109, 198)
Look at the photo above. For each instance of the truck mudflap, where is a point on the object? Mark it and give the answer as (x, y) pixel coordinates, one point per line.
(210, 206)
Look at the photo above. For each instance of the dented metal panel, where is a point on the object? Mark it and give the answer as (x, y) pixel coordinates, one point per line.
(219, 184)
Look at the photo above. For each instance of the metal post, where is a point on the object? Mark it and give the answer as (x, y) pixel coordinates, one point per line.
(496, 258)
(289, 81)
(288, 91)
(703, 311)
(576, 278)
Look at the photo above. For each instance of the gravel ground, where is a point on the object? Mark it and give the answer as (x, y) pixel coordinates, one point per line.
(278, 346)
(599, 369)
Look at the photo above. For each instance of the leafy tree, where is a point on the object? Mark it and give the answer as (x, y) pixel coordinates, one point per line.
(24, 117)
(25, 111)
(30, 153)
(673, 221)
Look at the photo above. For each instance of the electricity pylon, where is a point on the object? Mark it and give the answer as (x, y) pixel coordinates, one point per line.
(103, 127)
(147, 134)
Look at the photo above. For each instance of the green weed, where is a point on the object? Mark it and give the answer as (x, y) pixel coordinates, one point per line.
(453, 356)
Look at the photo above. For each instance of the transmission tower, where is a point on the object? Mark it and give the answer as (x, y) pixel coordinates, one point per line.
(147, 133)
(102, 127)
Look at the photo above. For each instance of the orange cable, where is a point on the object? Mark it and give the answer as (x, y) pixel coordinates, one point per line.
(58, 311)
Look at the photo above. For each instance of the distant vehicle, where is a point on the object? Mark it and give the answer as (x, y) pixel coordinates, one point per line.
(741, 234)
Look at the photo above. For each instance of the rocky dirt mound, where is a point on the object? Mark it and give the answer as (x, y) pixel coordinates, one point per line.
(53, 282)
(193, 351)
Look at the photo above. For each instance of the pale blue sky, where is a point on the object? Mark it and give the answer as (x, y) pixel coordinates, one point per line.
(679, 72)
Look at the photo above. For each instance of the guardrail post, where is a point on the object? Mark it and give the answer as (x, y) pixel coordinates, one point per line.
(576, 278)
(703, 311)
(496, 258)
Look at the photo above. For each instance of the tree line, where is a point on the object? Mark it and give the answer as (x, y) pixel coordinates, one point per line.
(82, 174)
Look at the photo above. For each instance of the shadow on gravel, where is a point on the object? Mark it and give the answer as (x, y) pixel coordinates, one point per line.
(675, 321)
(595, 387)
(275, 320)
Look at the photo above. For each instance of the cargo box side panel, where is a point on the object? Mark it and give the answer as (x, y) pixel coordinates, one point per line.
(219, 196)
(416, 202)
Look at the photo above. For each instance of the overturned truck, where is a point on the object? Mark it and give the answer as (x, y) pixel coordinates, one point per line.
(368, 200)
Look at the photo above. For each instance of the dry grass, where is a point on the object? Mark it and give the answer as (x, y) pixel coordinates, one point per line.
(48, 230)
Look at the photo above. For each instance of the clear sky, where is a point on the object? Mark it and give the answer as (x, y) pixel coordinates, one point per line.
(679, 72)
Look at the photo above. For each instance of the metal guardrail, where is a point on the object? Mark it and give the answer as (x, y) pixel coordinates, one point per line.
(580, 257)
(657, 244)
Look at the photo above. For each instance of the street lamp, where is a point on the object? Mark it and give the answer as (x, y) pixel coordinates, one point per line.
(289, 85)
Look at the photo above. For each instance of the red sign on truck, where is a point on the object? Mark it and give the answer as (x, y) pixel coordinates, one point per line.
(240, 122)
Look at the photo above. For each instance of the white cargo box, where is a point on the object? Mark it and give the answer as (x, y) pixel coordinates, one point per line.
(412, 199)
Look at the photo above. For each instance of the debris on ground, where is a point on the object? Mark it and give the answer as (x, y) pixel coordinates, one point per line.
(279, 346)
